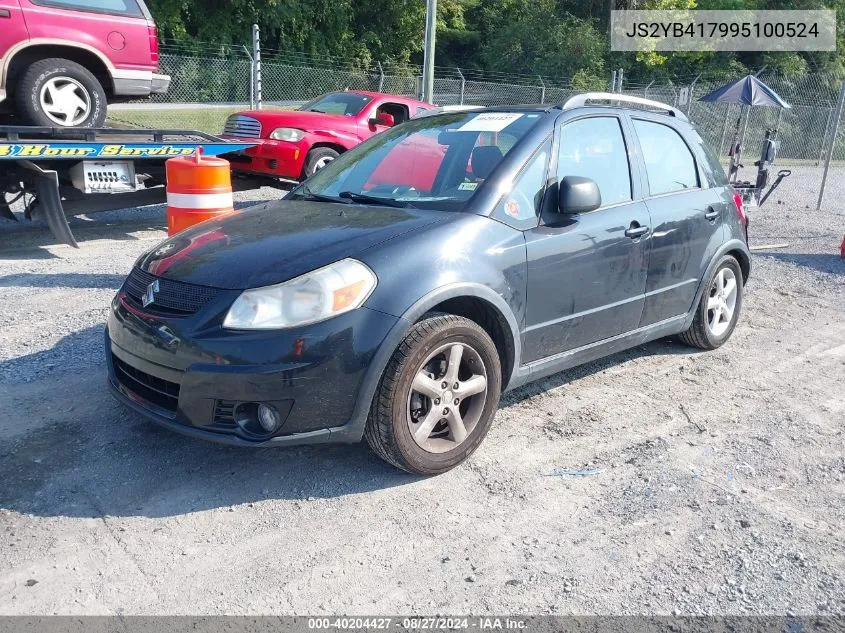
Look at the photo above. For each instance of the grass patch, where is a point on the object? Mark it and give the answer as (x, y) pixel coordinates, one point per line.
(208, 120)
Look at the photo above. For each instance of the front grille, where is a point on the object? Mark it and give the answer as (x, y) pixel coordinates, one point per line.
(162, 393)
(174, 298)
(243, 126)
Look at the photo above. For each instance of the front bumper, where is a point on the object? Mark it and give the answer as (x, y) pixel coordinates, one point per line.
(190, 376)
(279, 159)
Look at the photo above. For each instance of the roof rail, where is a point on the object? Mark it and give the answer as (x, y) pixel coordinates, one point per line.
(582, 99)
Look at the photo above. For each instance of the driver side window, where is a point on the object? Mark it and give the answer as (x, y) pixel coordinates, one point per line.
(398, 111)
(595, 148)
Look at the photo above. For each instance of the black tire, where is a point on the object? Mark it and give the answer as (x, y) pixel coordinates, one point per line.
(387, 431)
(699, 334)
(88, 88)
(317, 156)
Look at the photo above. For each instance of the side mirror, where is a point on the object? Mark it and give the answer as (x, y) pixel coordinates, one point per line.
(578, 195)
(383, 118)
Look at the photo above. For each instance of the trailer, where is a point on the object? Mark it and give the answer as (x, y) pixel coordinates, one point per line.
(61, 172)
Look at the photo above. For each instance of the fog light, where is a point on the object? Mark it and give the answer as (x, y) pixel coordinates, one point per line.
(268, 418)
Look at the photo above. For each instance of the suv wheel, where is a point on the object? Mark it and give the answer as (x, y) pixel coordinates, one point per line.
(318, 158)
(61, 93)
(438, 396)
(718, 310)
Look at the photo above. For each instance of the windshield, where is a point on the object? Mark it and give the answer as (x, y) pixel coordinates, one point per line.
(436, 162)
(346, 103)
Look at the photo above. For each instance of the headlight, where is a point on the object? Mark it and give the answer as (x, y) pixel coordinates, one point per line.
(315, 296)
(287, 134)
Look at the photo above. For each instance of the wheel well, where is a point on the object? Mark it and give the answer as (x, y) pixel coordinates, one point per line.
(493, 322)
(338, 148)
(31, 54)
(744, 263)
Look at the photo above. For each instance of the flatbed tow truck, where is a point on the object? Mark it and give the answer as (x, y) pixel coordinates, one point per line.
(60, 172)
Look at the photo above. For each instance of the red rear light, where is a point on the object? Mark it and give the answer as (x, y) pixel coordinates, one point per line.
(739, 211)
(153, 35)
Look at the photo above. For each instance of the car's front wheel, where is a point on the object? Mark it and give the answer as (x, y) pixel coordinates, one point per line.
(318, 158)
(718, 310)
(61, 93)
(437, 397)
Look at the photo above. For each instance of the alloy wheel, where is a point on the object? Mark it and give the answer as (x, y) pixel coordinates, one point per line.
(721, 303)
(65, 101)
(447, 397)
(322, 162)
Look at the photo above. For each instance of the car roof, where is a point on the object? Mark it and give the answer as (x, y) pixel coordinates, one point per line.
(386, 95)
(608, 100)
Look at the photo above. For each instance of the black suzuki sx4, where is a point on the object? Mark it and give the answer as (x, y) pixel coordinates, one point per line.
(395, 294)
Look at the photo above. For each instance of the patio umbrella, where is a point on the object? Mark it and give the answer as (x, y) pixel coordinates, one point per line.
(748, 91)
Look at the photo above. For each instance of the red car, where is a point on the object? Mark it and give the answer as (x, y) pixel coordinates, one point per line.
(62, 61)
(295, 144)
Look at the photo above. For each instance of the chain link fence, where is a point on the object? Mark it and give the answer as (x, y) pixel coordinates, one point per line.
(206, 87)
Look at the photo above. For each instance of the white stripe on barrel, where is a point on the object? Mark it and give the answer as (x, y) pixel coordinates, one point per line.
(199, 200)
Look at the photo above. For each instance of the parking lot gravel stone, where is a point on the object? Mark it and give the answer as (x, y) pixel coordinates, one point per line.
(711, 482)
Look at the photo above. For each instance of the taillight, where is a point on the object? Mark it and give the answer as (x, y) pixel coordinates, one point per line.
(153, 35)
(739, 211)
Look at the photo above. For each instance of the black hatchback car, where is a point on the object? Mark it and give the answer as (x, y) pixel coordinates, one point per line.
(395, 294)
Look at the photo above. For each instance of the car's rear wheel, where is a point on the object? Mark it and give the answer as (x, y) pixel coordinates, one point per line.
(437, 397)
(318, 158)
(61, 93)
(718, 310)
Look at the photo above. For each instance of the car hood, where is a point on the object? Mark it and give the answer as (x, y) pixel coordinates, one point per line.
(274, 242)
(303, 120)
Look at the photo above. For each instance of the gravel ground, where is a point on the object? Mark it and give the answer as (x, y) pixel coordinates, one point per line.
(718, 485)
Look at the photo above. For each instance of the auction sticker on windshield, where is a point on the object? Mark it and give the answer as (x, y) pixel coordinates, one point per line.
(490, 122)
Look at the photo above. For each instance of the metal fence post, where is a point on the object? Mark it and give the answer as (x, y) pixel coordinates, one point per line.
(542, 90)
(380, 77)
(613, 82)
(619, 81)
(256, 53)
(463, 84)
(689, 95)
(725, 127)
(840, 102)
(645, 94)
(824, 136)
(251, 78)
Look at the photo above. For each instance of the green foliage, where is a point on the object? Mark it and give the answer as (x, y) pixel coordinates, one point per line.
(553, 38)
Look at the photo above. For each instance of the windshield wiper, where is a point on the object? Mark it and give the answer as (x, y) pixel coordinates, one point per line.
(363, 197)
(307, 194)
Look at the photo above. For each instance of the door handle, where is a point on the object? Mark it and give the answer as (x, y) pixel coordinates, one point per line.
(711, 214)
(5, 13)
(635, 230)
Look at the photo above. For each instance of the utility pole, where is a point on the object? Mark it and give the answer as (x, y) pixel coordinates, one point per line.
(428, 53)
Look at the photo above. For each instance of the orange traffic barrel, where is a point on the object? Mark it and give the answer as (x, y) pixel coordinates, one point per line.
(198, 188)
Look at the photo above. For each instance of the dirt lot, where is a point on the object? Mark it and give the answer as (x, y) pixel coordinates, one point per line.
(721, 483)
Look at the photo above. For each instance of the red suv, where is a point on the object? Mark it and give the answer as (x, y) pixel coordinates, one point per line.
(61, 61)
(295, 144)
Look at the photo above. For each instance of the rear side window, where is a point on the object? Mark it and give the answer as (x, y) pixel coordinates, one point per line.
(669, 163)
(595, 148)
(116, 7)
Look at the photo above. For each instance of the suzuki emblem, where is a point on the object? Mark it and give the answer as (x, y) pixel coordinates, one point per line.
(150, 294)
